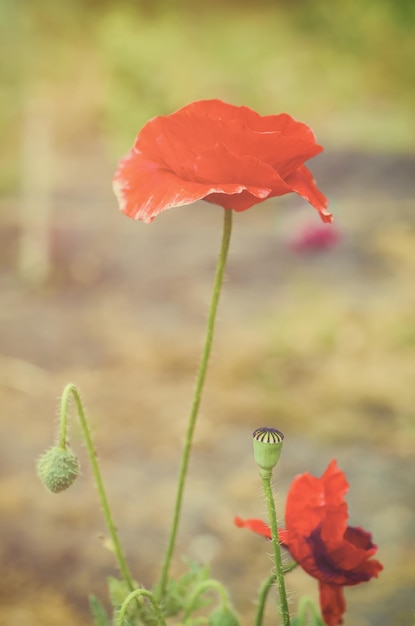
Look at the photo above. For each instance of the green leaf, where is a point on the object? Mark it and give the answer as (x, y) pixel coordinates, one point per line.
(118, 590)
(98, 612)
(179, 591)
(223, 617)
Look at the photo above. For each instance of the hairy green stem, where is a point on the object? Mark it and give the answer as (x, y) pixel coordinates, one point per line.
(264, 591)
(71, 390)
(262, 598)
(134, 595)
(217, 286)
(279, 571)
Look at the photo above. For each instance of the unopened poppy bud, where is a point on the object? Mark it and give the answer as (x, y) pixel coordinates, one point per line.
(267, 448)
(223, 616)
(58, 468)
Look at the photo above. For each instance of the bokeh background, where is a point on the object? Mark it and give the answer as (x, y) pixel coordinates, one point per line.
(317, 342)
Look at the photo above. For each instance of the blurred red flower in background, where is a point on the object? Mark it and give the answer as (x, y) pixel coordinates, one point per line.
(315, 238)
(225, 154)
(319, 539)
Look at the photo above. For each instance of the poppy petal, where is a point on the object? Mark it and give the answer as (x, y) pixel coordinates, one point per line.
(178, 140)
(217, 109)
(261, 528)
(309, 498)
(333, 604)
(351, 556)
(228, 155)
(144, 190)
(302, 182)
(340, 564)
(256, 525)
(318, 536)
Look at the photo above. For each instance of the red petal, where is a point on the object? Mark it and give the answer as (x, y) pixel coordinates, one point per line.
(261, 528)
(229, 155)
(256, 525)
(335, 487)
(217, 109)
(177, 140)
(309, 498)
(144, 190)
(222, 166)
(332, 604)
(302, 182)
(352, 558)
(283, 537)
(240, 201)
(318, 536)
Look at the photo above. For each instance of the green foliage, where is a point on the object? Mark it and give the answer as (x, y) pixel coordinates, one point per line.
(308, 615)
(180, 591)
(110, 66)
(179, 599)
(223, 616)
(150, 61)
(98, 612)
(312, 620)
(118, 591)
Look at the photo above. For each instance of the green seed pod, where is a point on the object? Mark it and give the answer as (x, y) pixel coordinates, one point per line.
(58, 468)
(223, 617)
(267, 448)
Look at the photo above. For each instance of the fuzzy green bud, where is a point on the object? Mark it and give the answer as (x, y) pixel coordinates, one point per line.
(267, 448)
(58, 468)
(223, 616)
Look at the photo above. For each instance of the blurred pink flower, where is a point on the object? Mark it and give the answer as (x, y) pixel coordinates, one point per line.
(315, 237)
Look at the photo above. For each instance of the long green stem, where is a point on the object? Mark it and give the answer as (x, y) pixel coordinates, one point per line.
(279, 571)
(71, 390)
(217, 286)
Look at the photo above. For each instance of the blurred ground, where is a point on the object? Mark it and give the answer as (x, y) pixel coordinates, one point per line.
(321, 346)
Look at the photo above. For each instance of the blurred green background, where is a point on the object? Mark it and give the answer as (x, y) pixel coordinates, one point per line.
(321, 345)
(107, 66)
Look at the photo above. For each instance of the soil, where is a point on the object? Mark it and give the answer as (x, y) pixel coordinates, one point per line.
(122, 315)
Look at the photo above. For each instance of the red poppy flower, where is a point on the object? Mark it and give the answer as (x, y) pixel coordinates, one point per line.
(319, 539)
(214, 151)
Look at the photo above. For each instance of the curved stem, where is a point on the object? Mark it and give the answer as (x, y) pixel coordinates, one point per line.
(304, 605)
(203, 586)
(279, 572)
(217, 286)
(71, 390)
(134, 595)
(264, 590)
(290, 567)
(262, 598)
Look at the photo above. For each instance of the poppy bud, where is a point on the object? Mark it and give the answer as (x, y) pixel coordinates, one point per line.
(267, 448)
(223, 616)
(58, 468)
